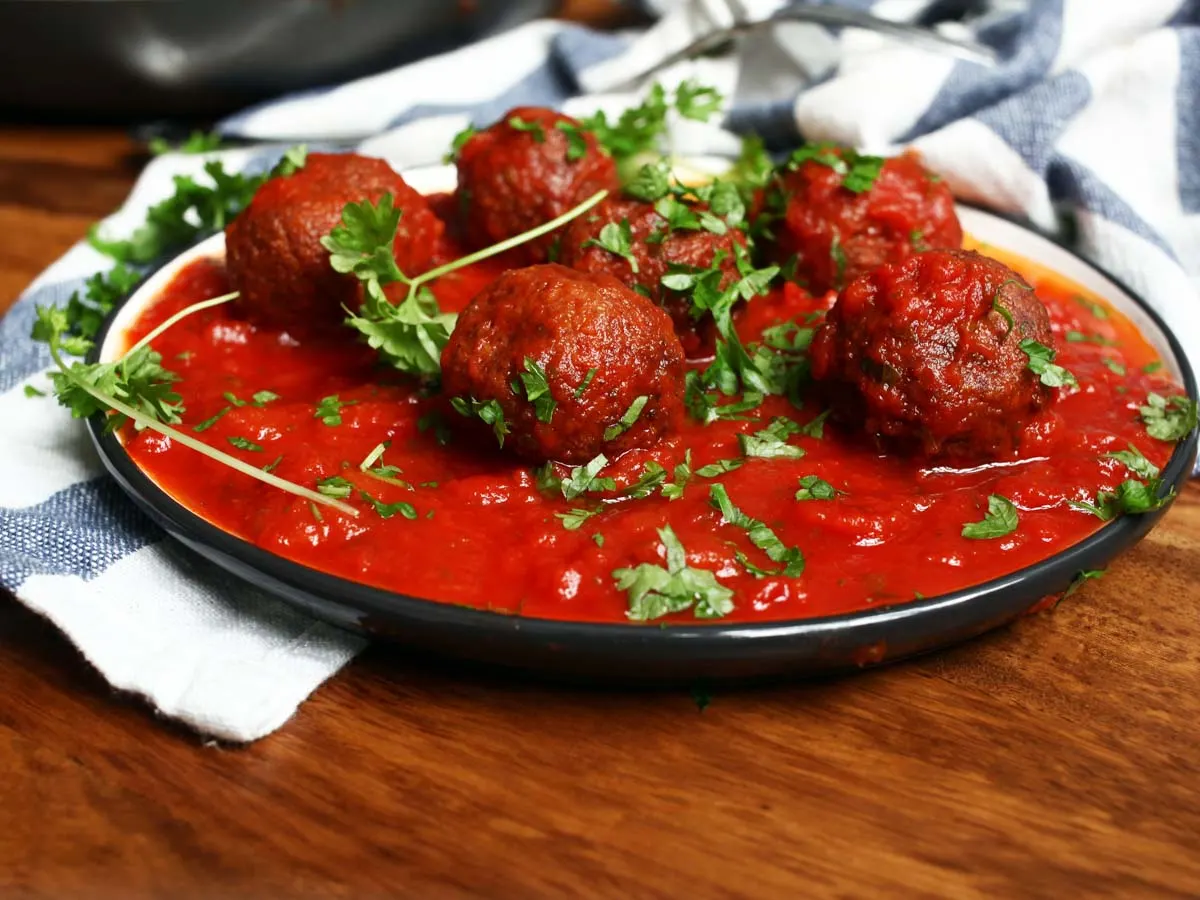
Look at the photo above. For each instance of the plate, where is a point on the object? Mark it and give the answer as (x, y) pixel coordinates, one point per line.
(649, 654)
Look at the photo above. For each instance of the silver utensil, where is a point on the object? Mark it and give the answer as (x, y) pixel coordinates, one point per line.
(833, 17)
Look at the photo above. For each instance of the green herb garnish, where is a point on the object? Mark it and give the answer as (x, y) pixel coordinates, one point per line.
(1041, 363)
(655, 591)
(490, 412)
(1169, 419)
(1001, 519)
(761, 536)
(813, 487)
(612, 432)
(245, 444)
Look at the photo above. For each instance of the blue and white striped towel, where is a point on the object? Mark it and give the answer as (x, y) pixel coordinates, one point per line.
(1093, 117)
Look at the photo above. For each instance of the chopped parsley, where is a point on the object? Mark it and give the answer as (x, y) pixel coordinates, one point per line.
(652, 182)
(490, 412)
(598, 539)
(212, 420)
(1113, 365)
(655, 591)
(1135, 462)
(329, 409)
(245, 444)
(641, 128)
(617, 239)
(653, 474)
(682, 475)
(583, 385)
(612, 432)
(387, 510)
(31, 391)
(1151, 367)
(537, 390)
(573, 519)
(584, 479)
(576, 142)
(1041, 363)
(196, 142)
(697, 102)
(1078, 337)
(789, 336)
(858, 170)
(814, 487)
(1091, 306)
(1001, 519)
(916, 238)
(516, 123)
(458, 142)
(1130, 498)
(771, 442)
(335, 486)
(720, 467)
(761, 536)
(815, 427)
(1169, 419)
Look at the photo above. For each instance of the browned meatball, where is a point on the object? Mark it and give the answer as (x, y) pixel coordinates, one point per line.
(273, 248)
(836, 234)
(528, 168)
(613, 366)
(925, 355)
(654, 248)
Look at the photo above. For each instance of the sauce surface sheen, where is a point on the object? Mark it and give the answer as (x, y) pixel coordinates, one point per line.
(484, 536)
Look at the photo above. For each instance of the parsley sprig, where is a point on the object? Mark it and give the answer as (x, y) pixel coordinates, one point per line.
(410, 335)
(136, 387)
(192, 211)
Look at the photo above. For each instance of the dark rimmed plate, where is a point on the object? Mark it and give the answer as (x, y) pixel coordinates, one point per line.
(641, 653)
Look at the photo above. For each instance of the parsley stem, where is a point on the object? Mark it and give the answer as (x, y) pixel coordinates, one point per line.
(182, 314)
(373, 456)
(509, 243)
(199, 446)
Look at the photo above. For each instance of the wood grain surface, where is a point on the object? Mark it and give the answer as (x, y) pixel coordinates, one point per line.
(1059, 757)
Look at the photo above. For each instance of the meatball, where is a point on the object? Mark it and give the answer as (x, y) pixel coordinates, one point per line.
(612, 365)
(835, 234)
(925, 355)
(654, 249)
(273, 248)
(528, 168)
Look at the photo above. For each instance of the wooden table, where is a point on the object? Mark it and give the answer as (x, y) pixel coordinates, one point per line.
(1058, 757)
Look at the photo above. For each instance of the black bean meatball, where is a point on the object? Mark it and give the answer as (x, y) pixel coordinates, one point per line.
(654, 248)
(926, 355)
(835, 234)
(273, 248)
(528, 168)
(608, 358)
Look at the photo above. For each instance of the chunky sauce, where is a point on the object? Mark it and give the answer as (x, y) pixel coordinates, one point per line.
(485, 537)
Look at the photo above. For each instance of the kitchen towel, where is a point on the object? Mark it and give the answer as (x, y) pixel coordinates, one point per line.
(1089, 126)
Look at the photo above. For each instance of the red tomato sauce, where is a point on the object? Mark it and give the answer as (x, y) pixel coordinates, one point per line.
(484, 535)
